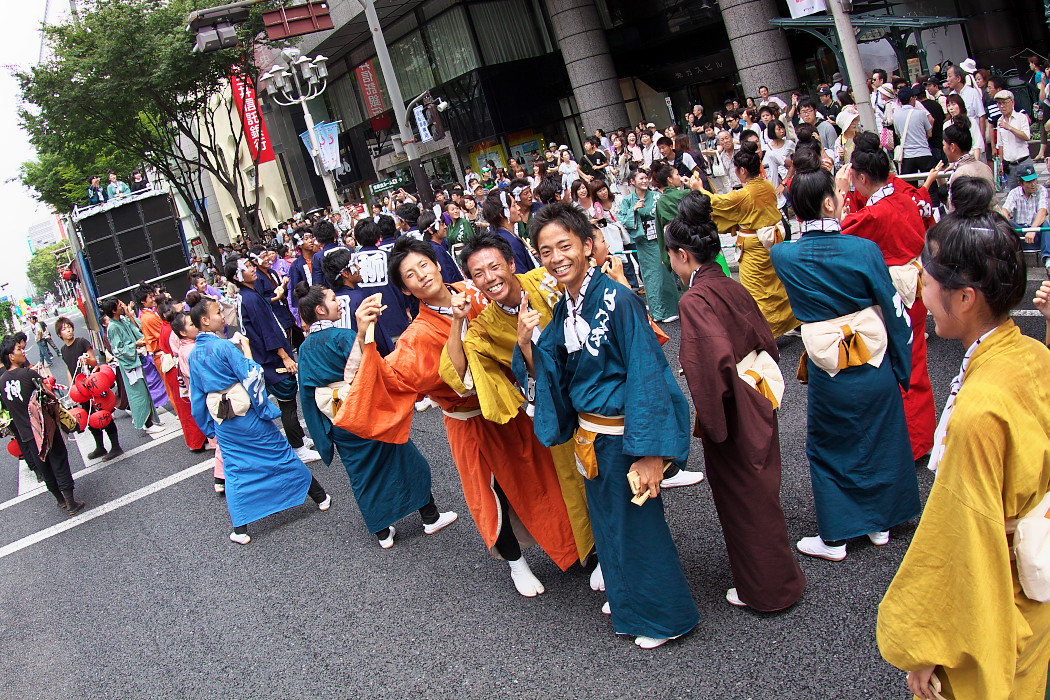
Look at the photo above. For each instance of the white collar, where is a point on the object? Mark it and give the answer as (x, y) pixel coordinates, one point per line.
(879, 194)
(826, 225)
(321, 325)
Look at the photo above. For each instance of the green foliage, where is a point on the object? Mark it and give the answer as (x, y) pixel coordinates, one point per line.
(61, 180)
(7, 324)
(42, 269)
(123, 82)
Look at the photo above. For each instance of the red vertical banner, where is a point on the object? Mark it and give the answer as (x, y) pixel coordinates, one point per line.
(251, 117)
(369, 82)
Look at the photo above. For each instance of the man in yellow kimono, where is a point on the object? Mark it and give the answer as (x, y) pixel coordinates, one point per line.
(479, 360)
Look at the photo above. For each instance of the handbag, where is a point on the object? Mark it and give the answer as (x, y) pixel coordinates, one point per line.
(1031, 549)
(718, 168)
(898, 151)
(886, 139)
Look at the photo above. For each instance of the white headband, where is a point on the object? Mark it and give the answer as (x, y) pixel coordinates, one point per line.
(517, 192)
(506, 204)
(242, 265)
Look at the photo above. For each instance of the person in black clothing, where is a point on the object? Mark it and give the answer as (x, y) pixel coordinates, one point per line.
(17, 385)
(593, 163)
(78, 350)
(138, 181)
(274, 288)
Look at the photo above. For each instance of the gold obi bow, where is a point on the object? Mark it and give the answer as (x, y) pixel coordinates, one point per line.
(907, 280)
(761, 372)
(847, 341)
(329, 399)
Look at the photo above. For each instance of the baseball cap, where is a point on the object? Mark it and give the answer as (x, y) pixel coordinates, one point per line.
(905, 94)
(1028, 173)
(824, 91)
(1004, 95)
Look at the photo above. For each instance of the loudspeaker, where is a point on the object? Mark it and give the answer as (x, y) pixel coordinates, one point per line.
(135, 239)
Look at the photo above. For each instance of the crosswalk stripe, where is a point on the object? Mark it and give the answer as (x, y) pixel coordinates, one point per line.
(97, 512)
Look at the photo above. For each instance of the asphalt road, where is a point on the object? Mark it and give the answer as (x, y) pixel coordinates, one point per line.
(151, 600)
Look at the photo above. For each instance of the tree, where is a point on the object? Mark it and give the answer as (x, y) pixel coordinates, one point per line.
(42, 269)
(61, 180)
(123, 74)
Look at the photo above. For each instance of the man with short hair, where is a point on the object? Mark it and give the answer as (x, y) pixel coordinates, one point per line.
(974, 104)
(593, 163)
(327, 238)
(934, 92)
(684, 163)
(767, 99)
(1012, 133)
(879, 101)
(808, 111)
(913, 132)
(829, 108)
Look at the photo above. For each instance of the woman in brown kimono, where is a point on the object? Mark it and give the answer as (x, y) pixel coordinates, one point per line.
(730, 361)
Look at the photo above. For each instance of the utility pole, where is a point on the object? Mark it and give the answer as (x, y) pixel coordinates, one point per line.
(404, 140)
(858, 77)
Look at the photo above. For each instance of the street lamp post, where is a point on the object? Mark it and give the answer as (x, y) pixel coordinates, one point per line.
(296, 79)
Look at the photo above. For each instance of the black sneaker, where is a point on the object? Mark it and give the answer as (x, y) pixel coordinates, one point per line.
(115, 452)
(97, 452)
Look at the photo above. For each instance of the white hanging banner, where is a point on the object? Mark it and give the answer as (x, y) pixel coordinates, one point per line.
(328, 140)
(802, 8)
(422, 124)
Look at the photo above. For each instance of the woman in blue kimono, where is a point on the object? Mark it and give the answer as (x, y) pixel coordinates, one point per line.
(263, 474)
(389, 480)
(600, 375)
(857, 441)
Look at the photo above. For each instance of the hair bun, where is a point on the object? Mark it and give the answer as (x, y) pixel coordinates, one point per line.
(301, 289)
(695, 209)
(749, 146)
(807, 159)
(867, 142)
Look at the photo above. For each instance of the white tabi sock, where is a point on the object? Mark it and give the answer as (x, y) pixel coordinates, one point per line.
(597, 579)
(524, 580)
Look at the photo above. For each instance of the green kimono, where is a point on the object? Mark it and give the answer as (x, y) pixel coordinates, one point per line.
(460, 231)
(666, 211)
(661, 292)
(122, 337)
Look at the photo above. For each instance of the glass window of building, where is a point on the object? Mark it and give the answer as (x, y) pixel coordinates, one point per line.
(411, 65)
(343, 103)
(451, 45)
(506, 30)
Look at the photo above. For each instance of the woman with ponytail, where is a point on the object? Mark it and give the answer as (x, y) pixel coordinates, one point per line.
(730, 361)
(891, 219)
(858, 357)
(751, 212)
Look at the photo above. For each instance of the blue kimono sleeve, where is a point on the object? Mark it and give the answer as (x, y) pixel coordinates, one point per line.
(262, 328)
(555, 420)
(250, 374)
(296, 274)
(656, 422)
(449, 270)
(199, 400)
(895, 315)
(316, 423)
(317, 261)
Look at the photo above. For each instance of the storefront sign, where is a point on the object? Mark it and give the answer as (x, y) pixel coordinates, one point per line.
(369, 82)
(258, 137)
(802, 8)
(384, 185)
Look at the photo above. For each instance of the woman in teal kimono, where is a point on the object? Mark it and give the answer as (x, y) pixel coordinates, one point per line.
(638, 215)
(263, 474)
(598, 361)
(389, 480)
(125, 338)
(857, 439)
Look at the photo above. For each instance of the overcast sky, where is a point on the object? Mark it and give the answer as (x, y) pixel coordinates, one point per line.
(19, 48)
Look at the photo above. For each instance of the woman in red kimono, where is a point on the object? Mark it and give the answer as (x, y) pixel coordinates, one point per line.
(179, 395)
(891, 218)
(726, 345)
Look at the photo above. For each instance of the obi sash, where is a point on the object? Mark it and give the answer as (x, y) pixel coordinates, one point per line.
(463, 413)
(768, 236)
(907, 280)
(847, 341)
(229, 403)
(329, 399)
(590, 426)
(761, 372)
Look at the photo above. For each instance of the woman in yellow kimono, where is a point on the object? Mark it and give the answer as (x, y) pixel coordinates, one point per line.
(746, 212)
(955, 616)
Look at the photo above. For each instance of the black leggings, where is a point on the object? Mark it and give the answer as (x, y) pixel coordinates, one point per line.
(428, 514)
(293, 429)
(316, 493)
(507, 544)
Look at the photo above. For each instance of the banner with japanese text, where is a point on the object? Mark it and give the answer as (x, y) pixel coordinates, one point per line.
(258, 138)
(369, 82)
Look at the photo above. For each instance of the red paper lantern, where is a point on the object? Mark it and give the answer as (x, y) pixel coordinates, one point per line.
(78, 393)
(105, 400)
(100, 419)
(82, 417)
(103, 377)
(14, 448)
(67, 275)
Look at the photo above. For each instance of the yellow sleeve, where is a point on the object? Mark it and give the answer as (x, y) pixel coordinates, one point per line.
(725, 209)
(951, 603)
(499, 396)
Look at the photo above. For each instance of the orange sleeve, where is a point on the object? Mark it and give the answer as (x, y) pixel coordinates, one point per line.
(151, 326)
(380, 404)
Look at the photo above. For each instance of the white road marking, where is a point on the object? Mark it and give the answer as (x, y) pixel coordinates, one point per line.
(92, 513)
(35, 489)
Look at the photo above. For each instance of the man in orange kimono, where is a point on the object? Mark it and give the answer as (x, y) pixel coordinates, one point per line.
(509, 479)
